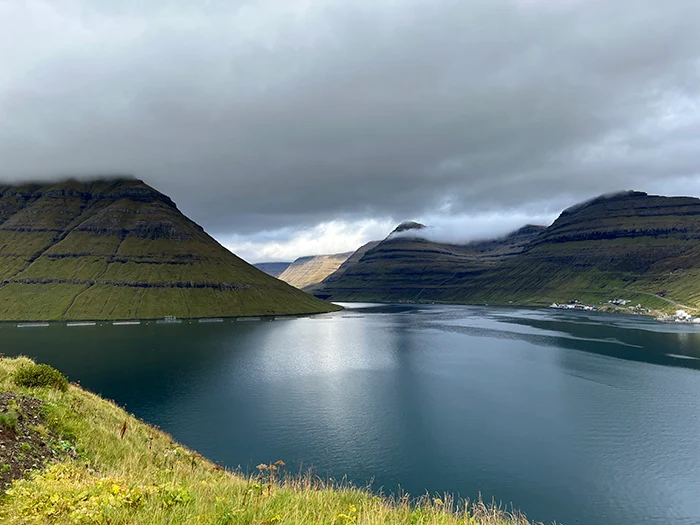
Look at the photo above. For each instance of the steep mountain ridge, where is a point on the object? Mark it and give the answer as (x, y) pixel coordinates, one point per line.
(405, 266)
(627, 243)
(340, 272)
(311, 270)
(645, 248)
(119, 249)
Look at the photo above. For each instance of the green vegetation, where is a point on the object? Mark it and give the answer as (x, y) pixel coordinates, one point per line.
(40, 376)
(118, 249)
(411, 268)
(645, 249)
(114, 468)
(9, 419)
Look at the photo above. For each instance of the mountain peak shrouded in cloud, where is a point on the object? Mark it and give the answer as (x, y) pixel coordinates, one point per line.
(612, 196)
(120, 249)
(272, 118)
(466, 230)
(408, 226)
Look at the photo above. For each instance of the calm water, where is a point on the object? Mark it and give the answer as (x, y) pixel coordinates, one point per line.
(582, 418)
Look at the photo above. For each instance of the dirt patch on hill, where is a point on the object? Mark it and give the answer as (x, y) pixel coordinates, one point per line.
(26, 443)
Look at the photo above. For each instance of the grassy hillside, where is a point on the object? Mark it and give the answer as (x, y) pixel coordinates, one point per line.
(408, 267)
(110, 468)
(629, 245)
(118, 249)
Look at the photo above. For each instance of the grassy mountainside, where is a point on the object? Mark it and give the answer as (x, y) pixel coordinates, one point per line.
(118, 249)
(308, 271)
(273, 268)
(406, 266)
(629, 245)
(110, 468)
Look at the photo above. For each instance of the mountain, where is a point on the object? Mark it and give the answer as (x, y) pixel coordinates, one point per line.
(273, 268)
(408, 226)
(630, 245)
(309, 271)
(119, 249)
(340, 272)
(407, 266)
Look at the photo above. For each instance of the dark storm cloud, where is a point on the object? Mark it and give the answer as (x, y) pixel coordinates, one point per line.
(260, 115)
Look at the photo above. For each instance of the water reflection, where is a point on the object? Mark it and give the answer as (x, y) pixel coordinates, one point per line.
(624, 337)
(567, 415)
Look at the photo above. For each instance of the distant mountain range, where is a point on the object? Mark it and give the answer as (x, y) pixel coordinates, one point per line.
(631, 245)
(119, 249)
(308, 271)
(408, 266)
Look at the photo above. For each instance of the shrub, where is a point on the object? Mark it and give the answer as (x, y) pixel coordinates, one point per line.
(9, 420)
(40, 376)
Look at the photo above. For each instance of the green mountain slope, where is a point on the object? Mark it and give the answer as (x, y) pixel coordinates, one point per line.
(118, 249)
(628, 245)
(408, 267)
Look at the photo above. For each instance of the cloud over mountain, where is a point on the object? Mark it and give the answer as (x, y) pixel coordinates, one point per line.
(288, 114)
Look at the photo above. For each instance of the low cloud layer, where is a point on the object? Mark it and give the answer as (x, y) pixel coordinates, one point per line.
(285, 115)
(288, 244)
(461, 229)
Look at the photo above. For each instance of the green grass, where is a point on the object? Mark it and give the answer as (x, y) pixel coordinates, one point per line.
(40, 376)
(630, 247)
(12, 265)
(9, 419)
(69, 268)
(76, 242)
(549, 273)
(34, 302)
(24, 243)
(146, 477)
(111, 254)
(55, 302)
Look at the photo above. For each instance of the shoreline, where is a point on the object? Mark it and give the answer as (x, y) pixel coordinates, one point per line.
(121, 469)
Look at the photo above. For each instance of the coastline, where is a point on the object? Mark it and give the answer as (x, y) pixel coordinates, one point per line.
(115, 468)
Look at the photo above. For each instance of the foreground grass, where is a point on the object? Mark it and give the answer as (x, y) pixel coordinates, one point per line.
(144, 477)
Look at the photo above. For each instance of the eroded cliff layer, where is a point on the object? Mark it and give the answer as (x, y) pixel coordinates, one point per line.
(408, 266)
(309, 271)
(644, 248)
(119, 249)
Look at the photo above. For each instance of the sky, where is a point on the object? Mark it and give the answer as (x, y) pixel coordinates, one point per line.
(299, 127)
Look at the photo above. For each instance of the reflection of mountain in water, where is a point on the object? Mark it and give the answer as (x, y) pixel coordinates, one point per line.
(595, 334)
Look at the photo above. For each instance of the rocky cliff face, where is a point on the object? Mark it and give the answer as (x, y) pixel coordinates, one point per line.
(309, 271)
(117, 248)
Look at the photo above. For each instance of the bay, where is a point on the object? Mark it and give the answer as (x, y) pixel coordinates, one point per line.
(570, 416)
